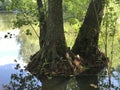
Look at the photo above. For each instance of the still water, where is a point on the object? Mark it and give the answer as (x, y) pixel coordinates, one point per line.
(9, 48)
(9, 52)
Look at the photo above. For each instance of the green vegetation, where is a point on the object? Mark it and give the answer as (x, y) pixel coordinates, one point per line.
(110, 32)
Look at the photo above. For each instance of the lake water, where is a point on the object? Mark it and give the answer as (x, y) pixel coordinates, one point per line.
(9, 48)
(9, 52)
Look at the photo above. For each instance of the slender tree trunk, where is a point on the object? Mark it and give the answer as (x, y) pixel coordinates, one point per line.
(42, 23)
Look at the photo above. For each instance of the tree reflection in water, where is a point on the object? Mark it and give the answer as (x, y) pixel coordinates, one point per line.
(56, 83)
(76, 83)
(87, 82)
(82, 82)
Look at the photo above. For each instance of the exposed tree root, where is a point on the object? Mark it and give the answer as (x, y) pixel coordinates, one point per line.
(72, 65)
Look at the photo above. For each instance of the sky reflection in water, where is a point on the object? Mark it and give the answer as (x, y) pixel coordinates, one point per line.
(9, 51)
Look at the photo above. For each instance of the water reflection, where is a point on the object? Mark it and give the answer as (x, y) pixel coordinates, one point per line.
(9, 50)
(110, 82)
(6, 20)
(5, 73)
(88, 82)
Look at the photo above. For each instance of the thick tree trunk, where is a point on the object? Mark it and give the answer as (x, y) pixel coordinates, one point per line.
(53, 47)
(87, 40)
(55, 34)
(86, 44)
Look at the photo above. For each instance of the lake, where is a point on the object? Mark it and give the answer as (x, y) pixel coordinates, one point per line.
(10, 50)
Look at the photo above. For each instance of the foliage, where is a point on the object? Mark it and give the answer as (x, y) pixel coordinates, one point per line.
(3, 4)
(108, 40)
(22, 81)
(74, 9)
(27, 21)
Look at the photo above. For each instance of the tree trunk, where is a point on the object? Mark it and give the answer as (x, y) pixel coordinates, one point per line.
(55, 34)
(87, 40)
(53, 48)
(86, 44)
(42, 23)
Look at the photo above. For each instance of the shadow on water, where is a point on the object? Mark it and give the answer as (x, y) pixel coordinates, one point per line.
(78, 83)
(86, 82)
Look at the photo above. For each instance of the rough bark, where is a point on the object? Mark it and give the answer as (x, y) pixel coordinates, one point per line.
(53, 50)
(86, 44)
(87, 40)
(42, 23)
(55, 34)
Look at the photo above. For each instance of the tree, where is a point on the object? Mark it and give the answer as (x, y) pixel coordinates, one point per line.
(86, 44)
(55, 60)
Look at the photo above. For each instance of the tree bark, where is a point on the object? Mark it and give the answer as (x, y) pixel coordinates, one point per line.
(86, 44)
(55, 34)
(53, 49)
(87, 39)
(42, 23)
